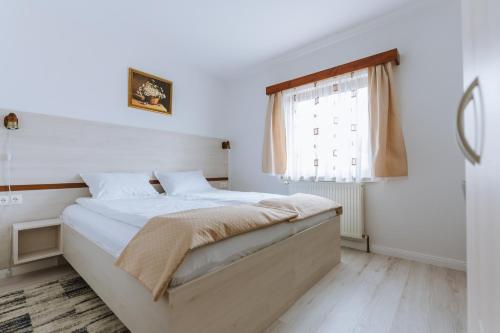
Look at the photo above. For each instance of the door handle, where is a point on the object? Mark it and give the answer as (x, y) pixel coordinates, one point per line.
(467, 150)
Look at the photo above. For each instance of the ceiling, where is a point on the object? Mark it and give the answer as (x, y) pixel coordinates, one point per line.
(226, 35)
(219, 36)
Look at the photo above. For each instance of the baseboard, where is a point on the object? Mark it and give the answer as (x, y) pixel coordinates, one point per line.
(353, 244)
(29, 267)
(420, 257)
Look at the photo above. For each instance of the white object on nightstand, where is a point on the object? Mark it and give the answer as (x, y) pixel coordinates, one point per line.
(36, 240)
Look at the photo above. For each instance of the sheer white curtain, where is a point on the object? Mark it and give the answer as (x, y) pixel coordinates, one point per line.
(327, 130)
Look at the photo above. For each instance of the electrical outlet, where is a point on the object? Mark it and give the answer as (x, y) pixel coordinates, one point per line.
(4, 200)
(16, 199)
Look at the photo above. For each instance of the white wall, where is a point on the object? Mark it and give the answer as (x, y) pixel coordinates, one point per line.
(423, 214)
(72, 58)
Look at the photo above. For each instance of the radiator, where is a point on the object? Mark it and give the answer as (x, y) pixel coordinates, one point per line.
(350, 196)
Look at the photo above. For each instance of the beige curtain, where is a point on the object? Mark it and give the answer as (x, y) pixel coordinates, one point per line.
(274, 151)
(388, 146)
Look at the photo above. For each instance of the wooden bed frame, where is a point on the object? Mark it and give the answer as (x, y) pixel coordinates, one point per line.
(247, 295)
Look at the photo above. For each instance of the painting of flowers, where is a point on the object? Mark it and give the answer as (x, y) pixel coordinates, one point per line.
(149, 92)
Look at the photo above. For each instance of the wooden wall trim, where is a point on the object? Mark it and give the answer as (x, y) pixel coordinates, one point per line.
(61, 186)
(374, 60)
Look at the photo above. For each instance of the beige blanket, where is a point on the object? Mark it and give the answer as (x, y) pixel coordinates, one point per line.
(305, 205)
(157, 250)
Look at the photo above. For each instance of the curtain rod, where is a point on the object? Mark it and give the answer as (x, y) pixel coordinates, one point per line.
(376, 59)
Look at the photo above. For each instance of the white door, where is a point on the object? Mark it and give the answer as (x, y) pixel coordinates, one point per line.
(481, 42)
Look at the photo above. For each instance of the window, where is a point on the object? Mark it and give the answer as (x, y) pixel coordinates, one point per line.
(327, 130)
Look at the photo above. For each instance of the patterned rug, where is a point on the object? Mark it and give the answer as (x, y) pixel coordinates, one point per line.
(64, 305)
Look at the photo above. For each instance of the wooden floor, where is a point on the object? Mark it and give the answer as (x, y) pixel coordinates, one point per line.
(374, 293)
(364, 293)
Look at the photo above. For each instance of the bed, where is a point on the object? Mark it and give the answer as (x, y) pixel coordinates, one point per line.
(241, 284)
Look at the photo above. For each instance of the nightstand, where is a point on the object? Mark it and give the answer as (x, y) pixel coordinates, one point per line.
(36, 240)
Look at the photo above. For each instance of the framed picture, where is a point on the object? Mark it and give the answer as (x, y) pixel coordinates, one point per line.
(149, 92)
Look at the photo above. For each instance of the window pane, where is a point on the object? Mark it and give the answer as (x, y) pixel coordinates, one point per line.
(328, 135)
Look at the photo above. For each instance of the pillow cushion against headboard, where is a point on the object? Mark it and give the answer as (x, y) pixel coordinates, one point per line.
(177, 183)
(108, 186)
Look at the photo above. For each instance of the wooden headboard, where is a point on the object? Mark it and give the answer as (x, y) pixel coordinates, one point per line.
(49, 152)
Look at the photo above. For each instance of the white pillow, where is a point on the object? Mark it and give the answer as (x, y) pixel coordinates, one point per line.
(176, 183)
(119, 185)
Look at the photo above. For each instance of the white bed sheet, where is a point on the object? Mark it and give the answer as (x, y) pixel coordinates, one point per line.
(112, 235)
(138, 211)
(228, 197)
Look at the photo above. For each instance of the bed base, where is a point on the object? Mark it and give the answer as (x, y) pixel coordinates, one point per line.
(245, 296)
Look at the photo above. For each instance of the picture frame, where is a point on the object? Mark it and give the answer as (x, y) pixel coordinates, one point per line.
(149, 92)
